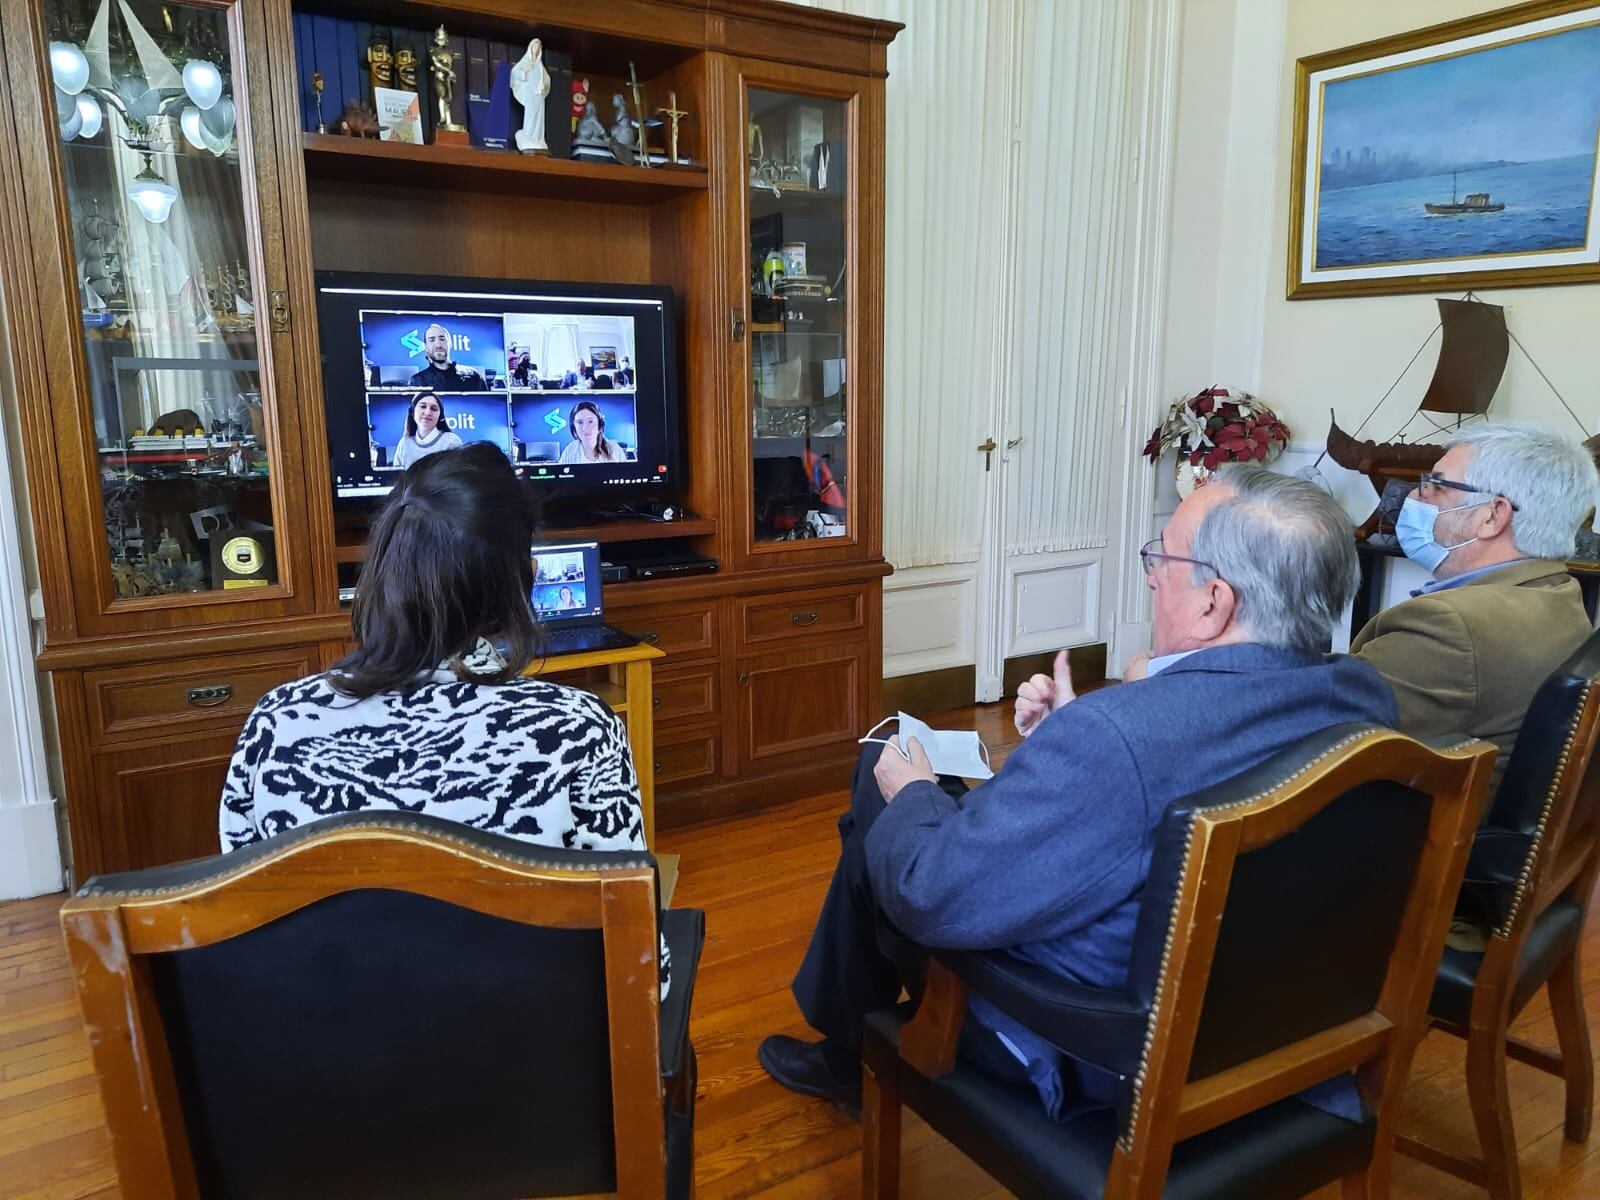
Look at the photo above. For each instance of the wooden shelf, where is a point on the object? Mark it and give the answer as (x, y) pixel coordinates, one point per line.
(629, 529)
(331, 156)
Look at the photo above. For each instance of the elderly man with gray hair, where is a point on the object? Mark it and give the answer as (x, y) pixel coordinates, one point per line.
(1494, 522)
(1048, 858)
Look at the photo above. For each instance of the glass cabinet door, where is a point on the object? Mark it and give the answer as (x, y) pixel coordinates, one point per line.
(149, 102)
(799, 281)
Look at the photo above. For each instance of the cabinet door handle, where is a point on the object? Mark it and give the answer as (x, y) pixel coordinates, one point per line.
(736, 324)
(280, 311)
(802, 618)
(210, 696)
(655, 703)
(650, 638)
(656, 765)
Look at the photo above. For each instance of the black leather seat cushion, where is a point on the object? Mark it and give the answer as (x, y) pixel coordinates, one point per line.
(1282, 1151)
(1551, 939)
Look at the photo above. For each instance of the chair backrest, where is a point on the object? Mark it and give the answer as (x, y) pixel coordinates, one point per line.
(1547, 796)
(377, 1005)
(1290, 928)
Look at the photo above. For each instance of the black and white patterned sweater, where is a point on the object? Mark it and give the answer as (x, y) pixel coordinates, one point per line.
(528, 758)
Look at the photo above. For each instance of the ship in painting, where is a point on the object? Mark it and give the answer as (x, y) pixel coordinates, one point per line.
(1474, 202)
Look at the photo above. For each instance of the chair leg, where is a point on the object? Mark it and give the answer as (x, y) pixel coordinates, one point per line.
(1572, 1032)
(1491, 1112)
(1357, 1186)
(880, 1136)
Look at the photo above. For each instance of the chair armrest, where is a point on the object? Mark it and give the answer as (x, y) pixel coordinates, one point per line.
(685, 931)
(1104, 1027)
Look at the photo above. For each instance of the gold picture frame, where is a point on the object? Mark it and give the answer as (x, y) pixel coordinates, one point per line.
(1373, 219)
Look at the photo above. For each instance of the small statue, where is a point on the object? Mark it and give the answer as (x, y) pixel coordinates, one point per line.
(441, 62)
(380, 62)
(317, 84)
(358, 121)
(590, 131)
(621, 125)
(405, 67)
(530, 84)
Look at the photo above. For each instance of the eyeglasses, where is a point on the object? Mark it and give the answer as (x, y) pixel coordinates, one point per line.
(1151, 554)
(1430, 479)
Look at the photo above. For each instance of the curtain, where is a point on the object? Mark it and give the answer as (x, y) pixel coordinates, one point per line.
(1007, 167)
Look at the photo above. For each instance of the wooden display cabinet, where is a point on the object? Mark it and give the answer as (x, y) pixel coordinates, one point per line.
(157, 272)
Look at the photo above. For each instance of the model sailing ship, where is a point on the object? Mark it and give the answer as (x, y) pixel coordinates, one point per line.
(1472, 360)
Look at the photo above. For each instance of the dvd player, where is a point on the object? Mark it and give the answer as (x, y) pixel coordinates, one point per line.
(670, 565)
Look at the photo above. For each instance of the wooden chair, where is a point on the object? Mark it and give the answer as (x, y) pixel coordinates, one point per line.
(390, 1005)
(1288, 934)
(1529, 881)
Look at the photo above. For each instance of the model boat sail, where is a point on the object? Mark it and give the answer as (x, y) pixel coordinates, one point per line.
(1472, 359)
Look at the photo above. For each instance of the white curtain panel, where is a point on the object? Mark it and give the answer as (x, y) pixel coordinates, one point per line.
(1007, 143)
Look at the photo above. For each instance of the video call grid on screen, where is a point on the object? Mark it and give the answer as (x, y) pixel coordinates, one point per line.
(571, 392)
(493, 385)
(566, 581)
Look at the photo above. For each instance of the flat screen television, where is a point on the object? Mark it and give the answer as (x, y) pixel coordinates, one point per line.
(575, 382)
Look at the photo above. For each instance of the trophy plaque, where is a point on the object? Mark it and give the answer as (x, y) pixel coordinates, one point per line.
(243, 559)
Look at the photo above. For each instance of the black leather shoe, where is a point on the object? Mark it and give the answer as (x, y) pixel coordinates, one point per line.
(804, 1067)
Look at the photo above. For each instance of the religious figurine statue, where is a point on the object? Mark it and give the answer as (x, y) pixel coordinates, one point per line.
(405, 67)
(380, 62)
(590, 132)
(530, 84)
(621, 124)
(673, 114)
(441, 63)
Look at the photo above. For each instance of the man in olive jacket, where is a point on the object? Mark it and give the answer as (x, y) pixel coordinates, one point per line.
(1495, 522)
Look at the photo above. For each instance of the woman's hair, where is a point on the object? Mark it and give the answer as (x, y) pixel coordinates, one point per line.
(602, 448)
(448, 562)
(411, 412)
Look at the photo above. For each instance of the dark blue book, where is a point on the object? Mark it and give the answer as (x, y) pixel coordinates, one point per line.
(495, 120)
(304, 65)
(352, 59)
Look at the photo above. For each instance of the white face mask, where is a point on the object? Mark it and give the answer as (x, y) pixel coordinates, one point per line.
(958, 752)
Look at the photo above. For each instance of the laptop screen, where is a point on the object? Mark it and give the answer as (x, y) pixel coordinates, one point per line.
(566, 582)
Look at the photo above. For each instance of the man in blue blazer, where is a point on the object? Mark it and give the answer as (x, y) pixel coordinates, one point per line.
(1049, 858)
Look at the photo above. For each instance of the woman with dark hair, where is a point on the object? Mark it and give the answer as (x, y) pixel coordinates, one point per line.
(426, 431)
(431, 712)
(587, 425)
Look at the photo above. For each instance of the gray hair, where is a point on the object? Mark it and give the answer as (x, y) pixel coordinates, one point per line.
(1551, 480)
(1286, 548)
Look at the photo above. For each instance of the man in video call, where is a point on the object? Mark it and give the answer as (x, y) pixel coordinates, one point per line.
(442, 375)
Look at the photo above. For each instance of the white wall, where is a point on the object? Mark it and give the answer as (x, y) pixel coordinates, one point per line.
(1343, 354)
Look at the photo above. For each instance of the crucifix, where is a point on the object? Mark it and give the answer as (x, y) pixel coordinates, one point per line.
(674, 114)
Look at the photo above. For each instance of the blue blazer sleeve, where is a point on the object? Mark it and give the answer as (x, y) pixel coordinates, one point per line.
(1048, 846)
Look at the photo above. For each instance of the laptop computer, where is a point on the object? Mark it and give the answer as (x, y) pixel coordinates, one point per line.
(567, 601)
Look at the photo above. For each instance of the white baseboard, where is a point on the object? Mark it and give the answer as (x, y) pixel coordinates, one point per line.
(30, 851)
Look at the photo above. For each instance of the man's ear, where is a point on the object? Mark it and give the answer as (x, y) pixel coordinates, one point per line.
(1498, 518)
(1217, 616)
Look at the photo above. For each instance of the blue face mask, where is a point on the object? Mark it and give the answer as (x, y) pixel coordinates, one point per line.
(1414, 530)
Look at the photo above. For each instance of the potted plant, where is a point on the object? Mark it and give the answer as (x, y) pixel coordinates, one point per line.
(1216, 426)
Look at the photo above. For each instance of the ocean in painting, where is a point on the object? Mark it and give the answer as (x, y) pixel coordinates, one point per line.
(1547, 208)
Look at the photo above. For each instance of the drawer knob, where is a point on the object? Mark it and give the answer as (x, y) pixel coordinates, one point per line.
(650, 638)
(210, 697)
(657, 764)
(802, 618)
(744, 678)
(655, 703)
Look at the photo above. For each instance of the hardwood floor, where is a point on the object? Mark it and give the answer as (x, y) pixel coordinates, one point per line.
(761, 880)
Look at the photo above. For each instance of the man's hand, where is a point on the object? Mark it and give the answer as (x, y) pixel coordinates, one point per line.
(1138, 667)
(1042, 695)
(893, 772)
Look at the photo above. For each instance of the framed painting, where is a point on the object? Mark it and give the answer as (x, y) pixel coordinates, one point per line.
(1459, 156)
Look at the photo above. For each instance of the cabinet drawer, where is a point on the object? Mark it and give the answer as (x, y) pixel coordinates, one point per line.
(684, 695)
(809, 614)
(683, 631)
(131, 702)
(685, 757)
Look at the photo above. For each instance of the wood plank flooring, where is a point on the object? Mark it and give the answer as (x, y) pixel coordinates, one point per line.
(761, 880)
